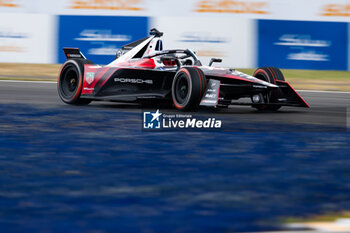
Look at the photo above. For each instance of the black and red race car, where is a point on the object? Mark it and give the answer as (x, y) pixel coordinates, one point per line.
(143, 71)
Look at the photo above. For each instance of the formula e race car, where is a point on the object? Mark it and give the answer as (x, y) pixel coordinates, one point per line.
(143, 71)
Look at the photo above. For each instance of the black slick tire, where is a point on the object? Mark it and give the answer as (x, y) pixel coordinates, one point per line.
(70, 81)
(188, 87)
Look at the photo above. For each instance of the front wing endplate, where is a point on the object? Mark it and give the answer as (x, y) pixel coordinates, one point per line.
(211, 94)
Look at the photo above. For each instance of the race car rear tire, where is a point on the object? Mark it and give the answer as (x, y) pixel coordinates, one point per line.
(188, 88)
(271, 75)
(70, 81)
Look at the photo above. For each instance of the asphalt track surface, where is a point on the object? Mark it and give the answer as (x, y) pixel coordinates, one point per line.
(327, 108)
(93, 169)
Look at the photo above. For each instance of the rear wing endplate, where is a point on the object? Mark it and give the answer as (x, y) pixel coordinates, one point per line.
(71, 53)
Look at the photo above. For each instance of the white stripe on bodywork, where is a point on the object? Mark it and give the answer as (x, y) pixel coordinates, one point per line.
(129, 55)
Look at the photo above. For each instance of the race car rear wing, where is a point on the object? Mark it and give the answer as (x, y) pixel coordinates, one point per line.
(73, 53)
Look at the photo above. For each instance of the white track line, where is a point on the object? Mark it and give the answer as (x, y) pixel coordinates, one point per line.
(54, 82)
(24, 81)
(314, 91)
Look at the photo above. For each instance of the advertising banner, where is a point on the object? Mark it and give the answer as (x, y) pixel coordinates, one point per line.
(27, 38)
(94, 7)
(14, 6)
(232, 40)
(314, 10)
(99, 37)
(303, 45)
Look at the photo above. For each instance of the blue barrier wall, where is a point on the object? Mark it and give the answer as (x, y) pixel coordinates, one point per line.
(99, 37)
(303, 45)
(280, 43)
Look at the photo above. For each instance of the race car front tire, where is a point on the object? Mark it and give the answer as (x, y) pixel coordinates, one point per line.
(70, 81)
(271, 75)
(188, 87)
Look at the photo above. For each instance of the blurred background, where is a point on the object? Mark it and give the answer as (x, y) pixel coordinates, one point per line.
(92, 169)
(294, 34)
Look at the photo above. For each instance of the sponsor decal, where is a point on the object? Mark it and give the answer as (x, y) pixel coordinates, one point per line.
(211, 95)
(158, 120)
(340, 10)
(8, 3)
(258, 86)
(129, 5)
(303, 44)
(90, 77)
(133, 80)
(74, 55)
(231, 6)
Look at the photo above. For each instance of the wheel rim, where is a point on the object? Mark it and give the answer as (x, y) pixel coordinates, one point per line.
(262, 76)
(181, 89)
(69, 82)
